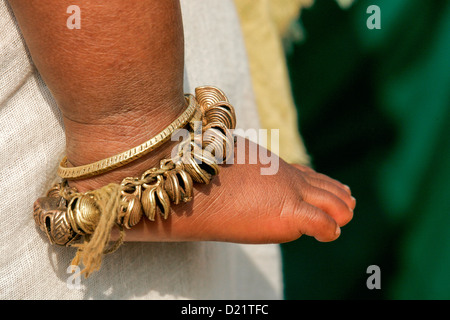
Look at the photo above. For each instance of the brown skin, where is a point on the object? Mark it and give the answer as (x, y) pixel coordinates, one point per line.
(119, 80)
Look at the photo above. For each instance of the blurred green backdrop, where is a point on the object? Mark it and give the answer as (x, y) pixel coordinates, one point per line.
(374, 112)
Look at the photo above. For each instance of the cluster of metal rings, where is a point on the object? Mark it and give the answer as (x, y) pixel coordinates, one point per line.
(65, 215)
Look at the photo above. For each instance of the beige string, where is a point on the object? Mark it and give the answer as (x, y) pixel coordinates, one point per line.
(91, 252)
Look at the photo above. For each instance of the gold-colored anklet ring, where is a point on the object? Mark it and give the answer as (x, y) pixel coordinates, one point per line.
(121, 159)
(85, 220)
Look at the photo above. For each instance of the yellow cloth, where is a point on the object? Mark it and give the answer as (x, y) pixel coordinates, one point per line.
(264, 22)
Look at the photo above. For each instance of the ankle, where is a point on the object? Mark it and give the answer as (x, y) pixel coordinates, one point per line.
(90, 142)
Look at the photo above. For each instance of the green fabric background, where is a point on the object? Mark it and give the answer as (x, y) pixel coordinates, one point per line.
(374, 111)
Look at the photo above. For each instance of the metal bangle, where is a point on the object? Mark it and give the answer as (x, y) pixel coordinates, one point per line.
(121, 159)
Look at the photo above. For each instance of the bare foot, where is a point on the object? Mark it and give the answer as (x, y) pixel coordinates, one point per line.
(241, 205)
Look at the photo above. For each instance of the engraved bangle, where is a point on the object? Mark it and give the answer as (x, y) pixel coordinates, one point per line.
(121, 159)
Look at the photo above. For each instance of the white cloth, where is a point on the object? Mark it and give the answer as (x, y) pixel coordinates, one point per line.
(32, 143)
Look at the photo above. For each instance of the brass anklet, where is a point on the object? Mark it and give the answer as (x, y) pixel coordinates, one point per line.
(66, 215)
